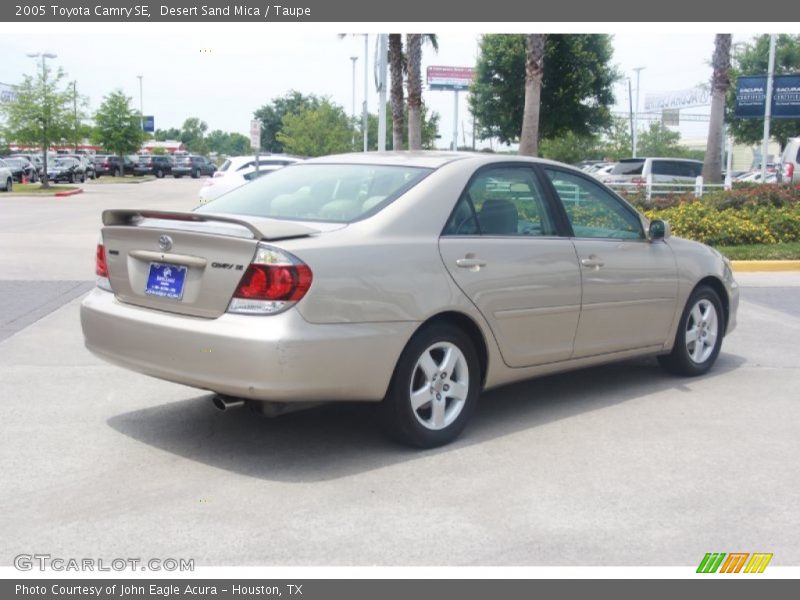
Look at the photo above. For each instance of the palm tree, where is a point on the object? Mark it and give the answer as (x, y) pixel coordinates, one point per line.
(396, 60)
(534, 70)
(720, 82)
(414, 46)
(414, 43)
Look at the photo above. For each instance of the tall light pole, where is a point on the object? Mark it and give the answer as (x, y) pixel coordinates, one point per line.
(636, 111)
(768, 108)
(353, 112)
(364, 117)
(45, 110)
(141, 103)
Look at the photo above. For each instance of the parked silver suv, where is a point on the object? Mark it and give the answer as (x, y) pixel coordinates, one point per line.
(790, 160)
(663, 170)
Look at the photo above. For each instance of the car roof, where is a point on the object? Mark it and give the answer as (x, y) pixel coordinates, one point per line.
(432, 159)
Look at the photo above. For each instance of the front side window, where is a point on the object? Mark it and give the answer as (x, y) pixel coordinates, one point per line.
(592, 211)
(502, 201)
(319, 192)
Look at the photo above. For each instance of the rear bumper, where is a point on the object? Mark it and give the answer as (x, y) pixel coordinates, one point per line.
(280, 357)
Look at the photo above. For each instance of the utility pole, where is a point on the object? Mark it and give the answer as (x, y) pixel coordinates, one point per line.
(353, 112)
(75, 109)
(365, 118)
(630, 113)
(636, 111)
(141, 103)
(768, 108)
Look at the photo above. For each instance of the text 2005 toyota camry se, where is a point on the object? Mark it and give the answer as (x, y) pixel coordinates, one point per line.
(416, 279)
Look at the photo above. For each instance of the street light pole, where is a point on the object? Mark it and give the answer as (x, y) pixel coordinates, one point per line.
(365, 118)
(636, 112)
(45, 140)
(768, 108)
(141, 103)
(353, 112)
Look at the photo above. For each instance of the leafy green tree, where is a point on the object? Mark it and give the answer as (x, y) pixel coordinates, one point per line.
(40, 113)
(753, 59)
(659, 140)
(617, 140)
(271, 116)
(571, 148)
(193, 135)
(117, 125)
(162, 135)
(577, 86)
(229, 144)
(324, 129)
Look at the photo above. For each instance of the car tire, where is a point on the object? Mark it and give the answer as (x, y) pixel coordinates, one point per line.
(434, 388)
(195, 174)
(9, 185)
(71, 178)
(83, 177)
(699, 336)
(160, 174)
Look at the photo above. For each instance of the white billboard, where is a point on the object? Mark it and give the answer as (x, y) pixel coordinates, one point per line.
(7, 93)
(678, 99)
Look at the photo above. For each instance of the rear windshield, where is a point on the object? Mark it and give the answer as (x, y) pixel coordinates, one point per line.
(338, 193)
(628, 167)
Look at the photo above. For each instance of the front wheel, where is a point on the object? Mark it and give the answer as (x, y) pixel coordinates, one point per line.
(9, 185)
(159, 174)
(699, 336)
(434, 388)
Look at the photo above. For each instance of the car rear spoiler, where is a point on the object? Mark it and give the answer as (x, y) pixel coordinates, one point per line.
(277, 229)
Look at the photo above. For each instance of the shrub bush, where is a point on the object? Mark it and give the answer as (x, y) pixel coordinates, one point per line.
(760, 214)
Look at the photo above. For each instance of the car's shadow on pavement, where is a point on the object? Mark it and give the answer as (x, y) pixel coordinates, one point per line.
(337, 440)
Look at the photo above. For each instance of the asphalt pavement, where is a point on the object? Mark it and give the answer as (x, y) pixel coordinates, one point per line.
(616, 465)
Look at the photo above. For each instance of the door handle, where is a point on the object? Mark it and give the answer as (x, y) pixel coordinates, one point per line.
(593, 261)
(470, 263)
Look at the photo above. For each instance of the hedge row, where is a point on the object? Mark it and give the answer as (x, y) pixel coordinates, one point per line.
(758, 214)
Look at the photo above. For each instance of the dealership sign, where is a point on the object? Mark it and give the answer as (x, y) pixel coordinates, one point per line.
(450, 78)
(752, 90)
(676, 100)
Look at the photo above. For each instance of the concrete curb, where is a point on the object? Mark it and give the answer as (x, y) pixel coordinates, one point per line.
(68, 193)
(752, 266)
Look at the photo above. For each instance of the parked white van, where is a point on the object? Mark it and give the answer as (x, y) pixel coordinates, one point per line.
(663, 170)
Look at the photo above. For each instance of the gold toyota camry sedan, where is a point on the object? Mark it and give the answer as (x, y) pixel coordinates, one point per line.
(416, 280)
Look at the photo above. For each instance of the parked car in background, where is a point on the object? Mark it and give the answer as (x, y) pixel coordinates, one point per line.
(6, 178)
(602, 170)
(102, 166)
(192, 165)
(663, 170)
(790, 161)
(215, 186)
(416, 280)
(115, 169)
(87, 162)
(158, 165)
(22, 169)
(35, 160)
(237, 163)
(66, 169)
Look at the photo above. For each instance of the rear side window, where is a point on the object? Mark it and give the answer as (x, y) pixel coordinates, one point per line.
(628, 167)
(504, 201)
(319, 192)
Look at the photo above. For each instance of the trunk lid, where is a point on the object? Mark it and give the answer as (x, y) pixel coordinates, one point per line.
(184, 263)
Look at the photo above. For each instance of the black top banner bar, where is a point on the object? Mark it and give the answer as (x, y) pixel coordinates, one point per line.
(464, 11)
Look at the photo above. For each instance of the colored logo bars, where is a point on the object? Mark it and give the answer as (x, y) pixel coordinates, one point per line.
(734, 562)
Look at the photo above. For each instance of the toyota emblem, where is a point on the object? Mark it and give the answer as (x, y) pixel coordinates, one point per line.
(165, 243)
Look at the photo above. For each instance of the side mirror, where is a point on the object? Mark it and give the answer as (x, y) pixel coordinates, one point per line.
(659, 230)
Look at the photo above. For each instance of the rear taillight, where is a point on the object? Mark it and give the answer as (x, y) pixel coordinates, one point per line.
(788, 171)
(274, 281)
(101, 268)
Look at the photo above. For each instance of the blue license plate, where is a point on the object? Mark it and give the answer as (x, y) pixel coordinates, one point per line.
(166, 281)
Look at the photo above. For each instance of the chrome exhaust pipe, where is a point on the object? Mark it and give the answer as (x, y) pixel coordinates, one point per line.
(226, 402)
